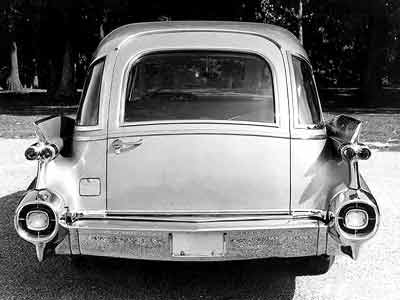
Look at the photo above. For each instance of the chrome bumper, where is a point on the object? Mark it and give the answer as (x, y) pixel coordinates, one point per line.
(153, 240)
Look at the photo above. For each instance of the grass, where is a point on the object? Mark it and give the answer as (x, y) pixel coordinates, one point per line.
(379, 130)
(381, 125)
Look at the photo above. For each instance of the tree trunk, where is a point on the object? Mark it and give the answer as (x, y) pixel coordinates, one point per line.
(52, 78)
(300, 21)
(371, 86)
(104, 20)
(66, 86)
(101, 31)
(13, 81)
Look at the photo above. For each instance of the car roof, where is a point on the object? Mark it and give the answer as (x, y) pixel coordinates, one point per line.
(280, 36)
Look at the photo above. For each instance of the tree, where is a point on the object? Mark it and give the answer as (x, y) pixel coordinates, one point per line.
(66, 87)
(373, 29)
(12, 16)
(289, 14)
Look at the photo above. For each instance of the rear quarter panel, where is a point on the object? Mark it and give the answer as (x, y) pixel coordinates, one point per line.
(317, 173)
(63, 175)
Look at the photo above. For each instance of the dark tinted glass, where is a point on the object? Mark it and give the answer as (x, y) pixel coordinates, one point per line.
(307, 97)
(200, 86)
(88, 112)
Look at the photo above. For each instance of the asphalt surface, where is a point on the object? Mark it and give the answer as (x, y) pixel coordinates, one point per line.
(376, 275)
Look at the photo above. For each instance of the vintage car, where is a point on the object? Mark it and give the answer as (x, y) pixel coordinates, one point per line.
(199, 141)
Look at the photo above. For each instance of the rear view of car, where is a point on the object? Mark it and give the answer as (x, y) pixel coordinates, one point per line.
(199, 141)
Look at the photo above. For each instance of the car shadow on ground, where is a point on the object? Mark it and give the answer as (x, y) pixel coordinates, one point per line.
(57, 277)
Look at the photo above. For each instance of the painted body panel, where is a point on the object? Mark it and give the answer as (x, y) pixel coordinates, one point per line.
(278, 35)
(63, 175)
(200, 173)
(317, 174)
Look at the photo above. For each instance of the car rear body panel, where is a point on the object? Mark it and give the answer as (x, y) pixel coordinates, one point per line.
(200, 173)
(199, 166)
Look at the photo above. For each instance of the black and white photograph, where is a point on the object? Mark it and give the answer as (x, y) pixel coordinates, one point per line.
(227, 150)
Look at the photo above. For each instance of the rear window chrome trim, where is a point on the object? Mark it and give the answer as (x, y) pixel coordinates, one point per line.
(183, 122)
(146, 134)
(134, 59)
(295, 103)
(101, 108)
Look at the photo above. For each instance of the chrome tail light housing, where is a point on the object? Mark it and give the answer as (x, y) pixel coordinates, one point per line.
(36, 219)
(42, 151)
(354, 219)
(355, 151)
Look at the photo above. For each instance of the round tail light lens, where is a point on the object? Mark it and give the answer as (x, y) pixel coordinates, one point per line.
(37, 220)
(364, 153)
(348, 153)
(31, 153)
(356, 219)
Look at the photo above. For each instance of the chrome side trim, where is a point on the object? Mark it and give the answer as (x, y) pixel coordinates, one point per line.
(187, 223)
(198, 132)
(176, 213)
(204, 217)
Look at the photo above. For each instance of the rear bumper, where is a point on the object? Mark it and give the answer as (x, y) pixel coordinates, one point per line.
(154, 240)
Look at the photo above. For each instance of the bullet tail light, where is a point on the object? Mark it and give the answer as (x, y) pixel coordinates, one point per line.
(41, 151)
(353, 152)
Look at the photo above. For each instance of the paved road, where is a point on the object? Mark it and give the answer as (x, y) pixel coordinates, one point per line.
(375, 275)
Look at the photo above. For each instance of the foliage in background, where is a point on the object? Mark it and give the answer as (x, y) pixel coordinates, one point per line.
(351, 43)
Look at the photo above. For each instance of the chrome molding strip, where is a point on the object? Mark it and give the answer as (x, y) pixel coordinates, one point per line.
(160, 226)
(196, 213)
(114, 135)
(199, 219)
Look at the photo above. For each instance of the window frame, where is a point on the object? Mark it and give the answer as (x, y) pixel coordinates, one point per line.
(296, 123)
(136, 59)
(99, 124)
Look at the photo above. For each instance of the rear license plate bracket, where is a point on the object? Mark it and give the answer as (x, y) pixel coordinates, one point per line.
(198, 244)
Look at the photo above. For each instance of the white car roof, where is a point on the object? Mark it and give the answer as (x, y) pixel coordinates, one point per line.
(280, 36)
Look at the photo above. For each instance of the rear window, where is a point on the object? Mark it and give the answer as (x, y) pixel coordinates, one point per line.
(88, 111)
(308, 109)
(200, 86)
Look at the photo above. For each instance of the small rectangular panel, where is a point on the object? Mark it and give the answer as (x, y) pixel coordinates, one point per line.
(198, 244)
(89, 187)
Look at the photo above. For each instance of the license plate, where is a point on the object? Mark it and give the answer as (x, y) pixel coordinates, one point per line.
(198, 244)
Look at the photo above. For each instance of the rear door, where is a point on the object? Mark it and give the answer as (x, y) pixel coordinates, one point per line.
(199, 124)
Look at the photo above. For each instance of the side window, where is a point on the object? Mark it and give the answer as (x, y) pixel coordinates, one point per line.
(88, 112)
(308, 109)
